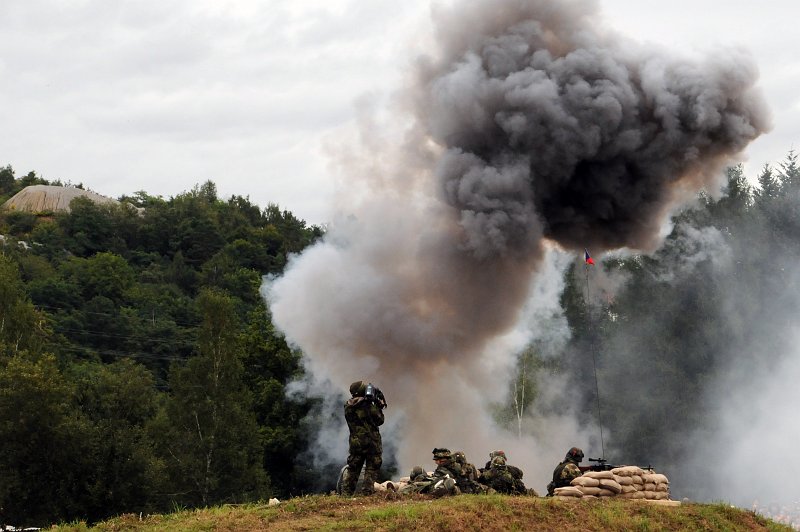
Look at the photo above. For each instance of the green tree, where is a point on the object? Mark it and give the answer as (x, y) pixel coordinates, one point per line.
(104, 274)
(270, 366)
(117, 401)
(43, 444)
(6, 180)
(769, 186)
(22, 327)
(790, 173)
(207, 432)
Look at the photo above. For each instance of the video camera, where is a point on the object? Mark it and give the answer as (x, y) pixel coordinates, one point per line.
(374, 393)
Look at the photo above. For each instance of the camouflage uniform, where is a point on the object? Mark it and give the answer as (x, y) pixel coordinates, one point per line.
(418, 481)
(363, 419)
(468, 481)
(566, 471)
(446, 475)
(500, 477)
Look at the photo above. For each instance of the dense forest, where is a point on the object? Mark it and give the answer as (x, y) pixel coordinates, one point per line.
(140, 372)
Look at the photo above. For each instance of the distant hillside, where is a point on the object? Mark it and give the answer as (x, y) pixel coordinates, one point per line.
(49, 198)
(471, 512)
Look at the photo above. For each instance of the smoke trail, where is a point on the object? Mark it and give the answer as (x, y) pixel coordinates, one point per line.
(528, 123)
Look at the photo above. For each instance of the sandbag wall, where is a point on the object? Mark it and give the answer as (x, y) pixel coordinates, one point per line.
(628, 482)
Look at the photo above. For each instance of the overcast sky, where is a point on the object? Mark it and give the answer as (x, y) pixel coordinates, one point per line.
(160, 95)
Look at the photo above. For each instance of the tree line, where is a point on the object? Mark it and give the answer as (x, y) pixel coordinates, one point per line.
(139, 369)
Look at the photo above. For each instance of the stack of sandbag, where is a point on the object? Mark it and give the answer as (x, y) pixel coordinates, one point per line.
(628, 482)
(638, 483)
(597, 484)
(568, 492)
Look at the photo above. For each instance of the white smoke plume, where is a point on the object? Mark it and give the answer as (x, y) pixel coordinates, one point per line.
(526, 128)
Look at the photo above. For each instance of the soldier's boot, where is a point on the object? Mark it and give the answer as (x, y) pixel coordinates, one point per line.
(349, 481)
(370, 476)
(444, 487)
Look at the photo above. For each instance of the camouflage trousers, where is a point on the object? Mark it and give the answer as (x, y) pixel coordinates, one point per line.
(371, 463)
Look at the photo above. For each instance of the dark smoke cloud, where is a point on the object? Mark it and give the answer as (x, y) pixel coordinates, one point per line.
(550, 122)
(526, 127)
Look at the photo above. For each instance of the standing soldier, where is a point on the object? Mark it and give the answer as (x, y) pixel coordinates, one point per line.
(566, 471)
(364, 414)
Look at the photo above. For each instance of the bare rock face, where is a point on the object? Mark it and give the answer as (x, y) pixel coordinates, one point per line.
(47, 198)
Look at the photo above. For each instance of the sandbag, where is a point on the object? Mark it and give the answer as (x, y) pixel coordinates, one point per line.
(568, 491)
(632, 495)
(627, 471)
(606, 493)
(585, 481)
(650, 478)
(649, 486)
(637, 479)
(662, 487)
(658, 478)
(629, 489)
(664, 502)
(610, 484)
(599, 474)
(623, 481)
(589, 490)
(649, 494)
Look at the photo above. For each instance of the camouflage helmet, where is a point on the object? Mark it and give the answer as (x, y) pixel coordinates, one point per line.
(416, 471)
(440, 453)
(358, 388)
(575, 455)
(497, 453)
(499, 461)
(459, 457)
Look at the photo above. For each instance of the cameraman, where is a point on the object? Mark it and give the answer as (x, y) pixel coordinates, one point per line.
(364, 414)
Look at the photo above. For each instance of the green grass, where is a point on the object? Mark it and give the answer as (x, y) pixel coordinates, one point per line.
(465, 512)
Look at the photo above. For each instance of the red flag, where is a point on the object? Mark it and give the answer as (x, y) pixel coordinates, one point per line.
(587, 258)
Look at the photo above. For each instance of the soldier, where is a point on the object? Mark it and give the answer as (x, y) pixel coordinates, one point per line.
(468, 470)
(419, 481)
(491, 457)
(447, 473)
(364, 415)
(468, 481)
(500, 478)
(566, 471)
(515, 471)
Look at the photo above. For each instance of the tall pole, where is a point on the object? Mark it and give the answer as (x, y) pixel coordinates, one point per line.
(590, 324)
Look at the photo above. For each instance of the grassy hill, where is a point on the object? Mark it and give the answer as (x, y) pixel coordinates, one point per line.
(471, 512)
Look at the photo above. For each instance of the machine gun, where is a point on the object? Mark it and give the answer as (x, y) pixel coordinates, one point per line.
(601, 464)
(374, 393)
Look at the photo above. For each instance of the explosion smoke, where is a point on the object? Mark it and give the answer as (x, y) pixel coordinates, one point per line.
(531, 127)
